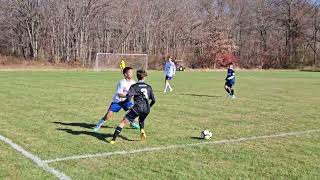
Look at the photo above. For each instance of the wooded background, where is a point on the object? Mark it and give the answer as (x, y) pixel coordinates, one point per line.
(204, 33)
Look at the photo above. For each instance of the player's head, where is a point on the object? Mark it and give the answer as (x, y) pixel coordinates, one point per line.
(170, 58)
(141, 74)
(128, 72)
(230, 65)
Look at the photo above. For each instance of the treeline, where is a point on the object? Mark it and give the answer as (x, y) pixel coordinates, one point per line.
(204, 33)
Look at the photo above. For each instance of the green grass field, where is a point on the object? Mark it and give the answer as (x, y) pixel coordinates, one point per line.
(51, 114)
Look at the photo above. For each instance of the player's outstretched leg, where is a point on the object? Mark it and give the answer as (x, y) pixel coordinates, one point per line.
(227, 88)
(107, 117)
(134, 125)
(118, 130)
(102, 121)
(232, 93)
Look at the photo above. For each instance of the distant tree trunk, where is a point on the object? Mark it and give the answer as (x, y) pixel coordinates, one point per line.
(315, 33)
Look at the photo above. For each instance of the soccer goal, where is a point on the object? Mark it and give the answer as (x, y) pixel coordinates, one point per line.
(111, 61)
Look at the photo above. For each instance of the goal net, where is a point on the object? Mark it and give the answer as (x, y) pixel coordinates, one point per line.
(111, 61)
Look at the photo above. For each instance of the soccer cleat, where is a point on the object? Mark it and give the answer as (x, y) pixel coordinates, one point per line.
(135, 126)
(112, 142)
(100, 123)
(143, 135)
(233, 97)
(230, 96)
(171, 90)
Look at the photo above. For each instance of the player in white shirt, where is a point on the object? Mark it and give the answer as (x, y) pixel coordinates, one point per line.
(169, 71)
(119, 100)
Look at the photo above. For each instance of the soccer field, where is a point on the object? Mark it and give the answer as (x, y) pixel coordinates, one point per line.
(270, 131)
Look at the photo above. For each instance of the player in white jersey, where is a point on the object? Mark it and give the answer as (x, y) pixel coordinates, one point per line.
(119, 100)
(169, 71)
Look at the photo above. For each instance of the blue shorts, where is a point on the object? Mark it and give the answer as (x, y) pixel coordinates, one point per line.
(116, 107)
(168, 78)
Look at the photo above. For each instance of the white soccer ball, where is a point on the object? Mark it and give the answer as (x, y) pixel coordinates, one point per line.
(206, 134)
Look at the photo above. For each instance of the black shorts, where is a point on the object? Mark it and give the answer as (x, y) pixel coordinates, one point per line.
(133, 114)
(229, 84)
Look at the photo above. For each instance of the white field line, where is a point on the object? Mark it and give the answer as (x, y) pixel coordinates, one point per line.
(42, 164)
(151, 149)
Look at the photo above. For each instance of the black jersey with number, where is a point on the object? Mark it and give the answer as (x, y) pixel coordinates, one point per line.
(143, 97)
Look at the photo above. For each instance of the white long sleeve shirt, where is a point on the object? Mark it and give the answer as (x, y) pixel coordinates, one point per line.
(122, 87)
(170, 69)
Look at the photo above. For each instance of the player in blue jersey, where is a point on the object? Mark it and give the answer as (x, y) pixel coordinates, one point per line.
(230, 81)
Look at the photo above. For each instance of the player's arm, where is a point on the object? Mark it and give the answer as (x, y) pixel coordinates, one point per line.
(165, 69)
(174, 68)
(119, 91)
(122, 95)
(130, 93)
(233, 75)
(152, 98)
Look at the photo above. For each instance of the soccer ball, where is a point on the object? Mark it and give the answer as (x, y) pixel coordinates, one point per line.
(206, 134)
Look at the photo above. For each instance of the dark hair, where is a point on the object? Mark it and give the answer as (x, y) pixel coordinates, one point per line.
(230, 64)
(126, 69)
(141, 74)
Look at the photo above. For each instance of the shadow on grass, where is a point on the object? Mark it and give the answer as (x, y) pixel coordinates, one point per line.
(157, 91)
(83, 125)
(87, 125)
(197, 138)
(99, 136)
(201, 95)
(310, 70)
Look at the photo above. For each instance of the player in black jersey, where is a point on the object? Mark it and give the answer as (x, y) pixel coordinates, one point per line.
(143, 100)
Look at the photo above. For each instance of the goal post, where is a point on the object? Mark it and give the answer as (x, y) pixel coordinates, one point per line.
(111, 61)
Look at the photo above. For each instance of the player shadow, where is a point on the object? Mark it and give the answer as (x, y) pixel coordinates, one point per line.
(310, 70)
(83, 125)
(197, 138)
(155, 91)
(99, 136)
(201, 95)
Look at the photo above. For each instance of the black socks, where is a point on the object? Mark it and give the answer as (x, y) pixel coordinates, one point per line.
(116, 133)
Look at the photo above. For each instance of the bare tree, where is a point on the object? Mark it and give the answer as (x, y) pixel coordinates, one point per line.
(261, 33)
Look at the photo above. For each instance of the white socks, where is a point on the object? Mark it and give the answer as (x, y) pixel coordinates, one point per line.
(100, 123)
(167, 85)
